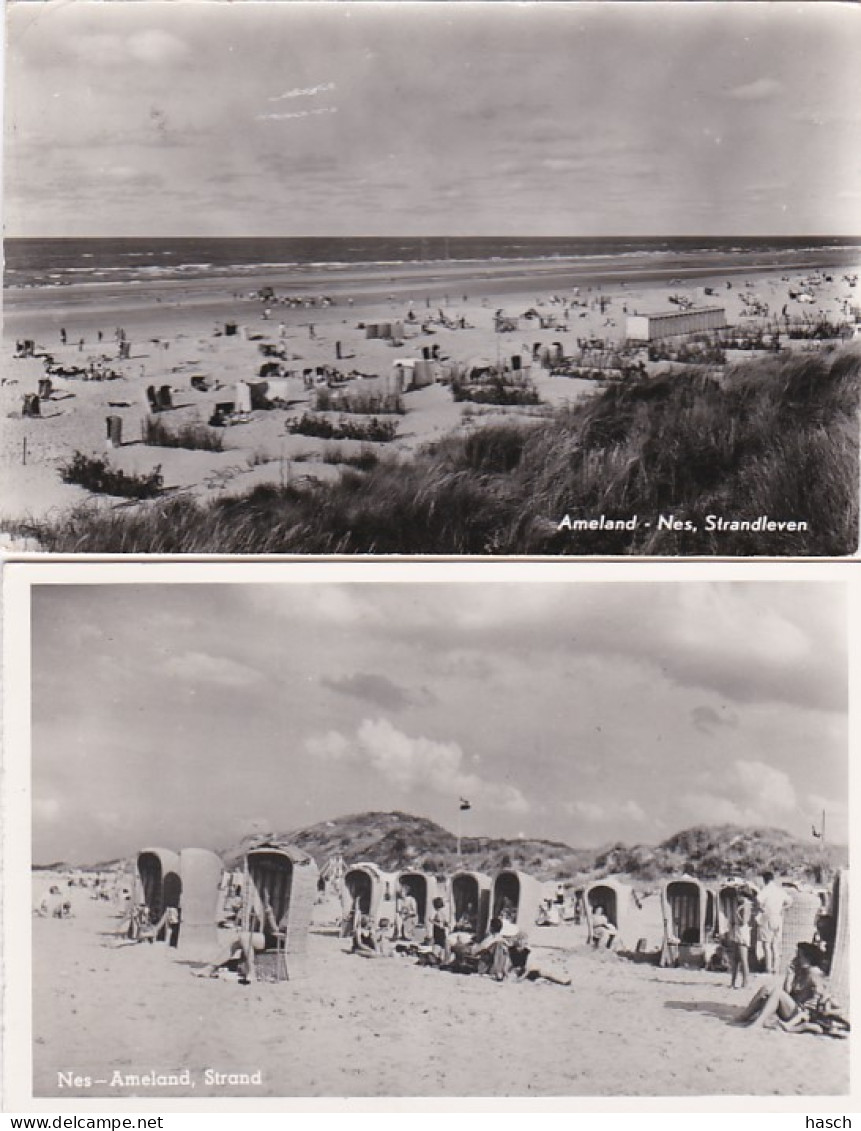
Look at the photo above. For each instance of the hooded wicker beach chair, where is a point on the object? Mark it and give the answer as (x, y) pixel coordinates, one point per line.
(158, 884)
(799, 924)
(470, 900)
(424, 889)
(517, 897)
(838, 957)
(367, 890)
(690, 912)
(616, 901)
(279, 890)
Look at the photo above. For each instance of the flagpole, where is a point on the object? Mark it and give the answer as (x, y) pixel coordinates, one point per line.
(459, 811)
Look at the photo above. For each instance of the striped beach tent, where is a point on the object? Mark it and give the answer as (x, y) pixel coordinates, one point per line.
(280, 888)
(517, 897)
(158, 883)
(470, 900)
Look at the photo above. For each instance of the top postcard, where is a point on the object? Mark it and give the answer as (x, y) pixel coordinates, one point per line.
(431, 279)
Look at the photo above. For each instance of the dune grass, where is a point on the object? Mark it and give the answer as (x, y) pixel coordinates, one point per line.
(98, 476)
(776, 437)
(195, 437)
(381, 431)
(358, 402)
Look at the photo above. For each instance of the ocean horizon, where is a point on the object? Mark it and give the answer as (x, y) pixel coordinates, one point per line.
(53, 261)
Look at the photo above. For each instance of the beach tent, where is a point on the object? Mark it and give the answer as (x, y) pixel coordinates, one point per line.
(727, 897)
(799, 924)
(424, 889)
(477, 367)
(517, 897)
(243, 397)
(369, 890)
(690, 918)
(283, 878)
(470, 899)
(158, 882)
(423, 374)
(617, 901)
(200, 872)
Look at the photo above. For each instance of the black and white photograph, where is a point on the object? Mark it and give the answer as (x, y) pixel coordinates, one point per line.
(364, 835)
(441, 279)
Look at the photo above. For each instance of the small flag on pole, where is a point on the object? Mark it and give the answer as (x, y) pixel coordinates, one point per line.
(815, 833)
(464, 804)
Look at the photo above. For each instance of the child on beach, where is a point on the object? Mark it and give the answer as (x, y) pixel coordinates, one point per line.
(739, 942)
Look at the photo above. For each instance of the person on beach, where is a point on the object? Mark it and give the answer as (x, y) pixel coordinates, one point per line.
(240, 952)
(407, 912)
(801, 1004)
(771, 903)
(739, 942)
(368, 941)
(603, 931)
(51, 906)
(439, 929)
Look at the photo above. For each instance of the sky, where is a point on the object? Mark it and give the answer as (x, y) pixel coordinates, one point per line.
(292, 119)
(190, 714)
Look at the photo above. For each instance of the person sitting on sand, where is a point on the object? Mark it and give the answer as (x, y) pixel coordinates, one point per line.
(492, 952)
(371, 942)
(603, 931)
(240, 952)
(51, 906)
(802, 1004)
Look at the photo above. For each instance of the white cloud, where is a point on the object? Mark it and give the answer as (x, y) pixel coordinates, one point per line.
(760, 90)
(633, 811)
(202, 668)
(588, 810)
(747, 793)
(332, 746)
(156, 47)
(709, 808)
(296, 114)
(416, 763)
(765, 786)
(303, 91)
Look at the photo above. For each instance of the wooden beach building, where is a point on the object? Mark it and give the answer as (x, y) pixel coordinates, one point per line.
(674, 323)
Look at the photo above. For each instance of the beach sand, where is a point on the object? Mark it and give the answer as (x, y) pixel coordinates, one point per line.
(174, 329)
(387, 1027)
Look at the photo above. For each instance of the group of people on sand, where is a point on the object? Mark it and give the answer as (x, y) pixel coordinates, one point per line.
(764, 911)
(54, 905)
(801, 1002)
(501, 953)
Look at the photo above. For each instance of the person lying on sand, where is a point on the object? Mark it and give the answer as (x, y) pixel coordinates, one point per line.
(802, 1004)
(240, 952)
(504, 956)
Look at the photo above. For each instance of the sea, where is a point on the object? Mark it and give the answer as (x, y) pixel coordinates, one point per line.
(48, 262)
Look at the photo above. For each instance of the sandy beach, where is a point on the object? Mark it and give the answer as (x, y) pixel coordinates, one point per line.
(174, 329)
(352, 1027)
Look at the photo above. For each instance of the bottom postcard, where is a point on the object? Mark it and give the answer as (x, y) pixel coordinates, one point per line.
(382, 831)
